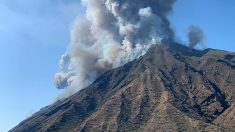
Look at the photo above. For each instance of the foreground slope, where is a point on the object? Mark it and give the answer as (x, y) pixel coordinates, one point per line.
(170, 88)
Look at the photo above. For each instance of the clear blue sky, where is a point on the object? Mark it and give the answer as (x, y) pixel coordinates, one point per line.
(34, 34)
(215, 17)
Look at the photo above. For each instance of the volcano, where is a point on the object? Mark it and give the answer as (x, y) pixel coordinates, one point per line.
(170, 88)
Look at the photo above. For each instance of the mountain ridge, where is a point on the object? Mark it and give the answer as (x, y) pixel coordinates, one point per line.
(171, 87)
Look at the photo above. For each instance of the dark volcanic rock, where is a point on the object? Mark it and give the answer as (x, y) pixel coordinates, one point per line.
(170, 88)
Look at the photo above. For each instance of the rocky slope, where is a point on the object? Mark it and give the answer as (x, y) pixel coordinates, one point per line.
(170, 88)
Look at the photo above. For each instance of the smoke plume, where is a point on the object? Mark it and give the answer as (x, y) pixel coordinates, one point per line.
(111, 33)
(195, 36)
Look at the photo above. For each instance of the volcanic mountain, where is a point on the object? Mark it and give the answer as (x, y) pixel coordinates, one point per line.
(170, 88)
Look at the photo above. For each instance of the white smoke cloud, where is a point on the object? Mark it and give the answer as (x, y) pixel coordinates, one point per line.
(111, 33)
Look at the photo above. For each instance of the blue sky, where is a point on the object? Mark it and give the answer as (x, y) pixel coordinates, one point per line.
(34, 34)
(215, 17)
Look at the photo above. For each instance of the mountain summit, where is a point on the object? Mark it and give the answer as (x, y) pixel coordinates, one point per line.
(170, 88)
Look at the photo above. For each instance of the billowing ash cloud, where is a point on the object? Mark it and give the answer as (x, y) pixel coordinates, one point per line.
(111, 33)
(195, 36)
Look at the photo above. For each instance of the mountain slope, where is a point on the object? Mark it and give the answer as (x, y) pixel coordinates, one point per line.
(169, 88)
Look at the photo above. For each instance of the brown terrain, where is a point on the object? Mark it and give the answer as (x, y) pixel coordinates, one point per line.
(170, 88)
